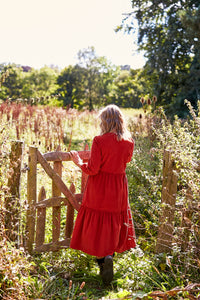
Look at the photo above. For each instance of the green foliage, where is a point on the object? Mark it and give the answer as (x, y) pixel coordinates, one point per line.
(145, 183)
(144, 177)
(27, 86)
(168, 33)
(71, 88)
(127, 89)
(39, 83)
(11, 84)
(99, 74)
(90, 84)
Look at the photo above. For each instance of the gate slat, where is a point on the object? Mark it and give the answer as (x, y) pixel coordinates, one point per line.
(58, 201)
(53, 201)
(57, 166)
(53, 246)
(32, 198)
(41, 219)
(70, 216)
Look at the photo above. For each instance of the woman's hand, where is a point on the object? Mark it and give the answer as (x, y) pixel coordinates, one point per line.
(76, 158)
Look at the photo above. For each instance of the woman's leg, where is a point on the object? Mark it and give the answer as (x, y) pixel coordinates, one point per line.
(106, 268)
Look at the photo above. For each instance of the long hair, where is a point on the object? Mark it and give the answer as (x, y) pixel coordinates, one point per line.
(112, 120)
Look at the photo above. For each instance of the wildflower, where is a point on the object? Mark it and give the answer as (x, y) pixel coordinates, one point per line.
(82, 285)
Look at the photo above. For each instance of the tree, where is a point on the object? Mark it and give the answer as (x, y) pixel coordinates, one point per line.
(128, 88)
(99, 75)
(71, 88)
(87, 84)
(39, 83)
(88, 60)
(26, 83)
(106, 80)
(164, 35)
(12, 83)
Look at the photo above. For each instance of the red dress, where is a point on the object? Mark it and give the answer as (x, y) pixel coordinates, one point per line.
(104, 223)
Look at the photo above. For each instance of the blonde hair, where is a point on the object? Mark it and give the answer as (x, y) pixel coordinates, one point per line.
(112, 120)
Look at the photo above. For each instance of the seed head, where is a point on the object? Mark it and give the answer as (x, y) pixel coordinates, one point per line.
(82, 285)
(149, 101)
(70, 284)
(154, 99)
(142, 100)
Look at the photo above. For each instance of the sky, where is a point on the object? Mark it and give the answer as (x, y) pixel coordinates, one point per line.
(51, 32)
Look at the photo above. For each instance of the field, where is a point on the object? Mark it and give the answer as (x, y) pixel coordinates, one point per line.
(139, 273)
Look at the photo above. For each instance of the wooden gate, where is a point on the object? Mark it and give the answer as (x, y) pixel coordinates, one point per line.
(37, 206)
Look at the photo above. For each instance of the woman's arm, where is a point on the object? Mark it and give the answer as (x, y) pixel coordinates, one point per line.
(76, 158)
(93, 165)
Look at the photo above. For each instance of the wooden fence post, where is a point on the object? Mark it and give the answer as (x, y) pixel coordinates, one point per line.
(70, 216)
(57, 166)
(41, 218)
(12, 201)
(31, 198)
(169, 190)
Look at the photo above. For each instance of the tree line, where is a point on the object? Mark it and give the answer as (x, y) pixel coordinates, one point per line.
(168, 31)
(91, 83)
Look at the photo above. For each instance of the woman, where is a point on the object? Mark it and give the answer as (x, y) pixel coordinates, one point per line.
(104, 223)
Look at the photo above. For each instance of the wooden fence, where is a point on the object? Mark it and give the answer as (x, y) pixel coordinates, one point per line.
(37, 206)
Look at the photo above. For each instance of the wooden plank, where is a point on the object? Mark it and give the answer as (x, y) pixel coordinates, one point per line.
(41, 219)
(64, 156)
(53, 202)
(58, 181)
(169, 190)
(79, 198)
(56, 209)
(58, 201)
(31, 198)
(70, 216)
(53, 246)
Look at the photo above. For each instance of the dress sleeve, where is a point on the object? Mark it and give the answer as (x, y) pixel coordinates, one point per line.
(93, 165)
(131, 151)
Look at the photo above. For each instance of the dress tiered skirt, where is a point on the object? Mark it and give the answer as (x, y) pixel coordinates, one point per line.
(104, 222)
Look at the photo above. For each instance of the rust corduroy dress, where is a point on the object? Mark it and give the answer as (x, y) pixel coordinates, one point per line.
(104, 223)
